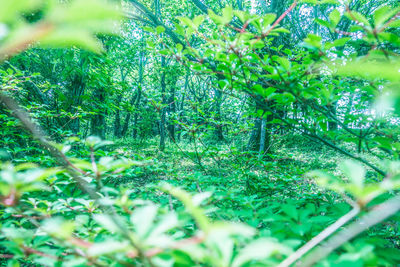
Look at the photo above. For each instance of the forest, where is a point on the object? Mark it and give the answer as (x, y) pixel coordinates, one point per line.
(173, 133)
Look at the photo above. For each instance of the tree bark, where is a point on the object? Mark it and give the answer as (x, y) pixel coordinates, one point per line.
(218, 127)
(98, 123)
(162, 110)
(171, 111)
(117, 121)
(260, 136)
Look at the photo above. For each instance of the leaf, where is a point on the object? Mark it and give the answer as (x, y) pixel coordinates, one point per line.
(10, 11)
(59, 227)
(107, 222)
(312, 2)
(108, 247)
(313, 40)
(215, 18)
(358, 17)
(148, 29)
(323, 22)
(383, 14)
(331, 2)
(167, 223)
(198, 20)
(267, 20)
(327, 180)
(394, 24)
(341, 41)
(143, 218)
(259, 249)
(196, 212)
(160, 29)
(63, 38)
(90, 14)
(354, 171)
(227, 14)
(369, 69)
(199, 198)
(291, 211)
(334, 17)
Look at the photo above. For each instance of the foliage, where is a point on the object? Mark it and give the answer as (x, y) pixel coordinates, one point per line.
(254, 116)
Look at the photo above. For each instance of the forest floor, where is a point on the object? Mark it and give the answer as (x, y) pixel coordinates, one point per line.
(244, 187)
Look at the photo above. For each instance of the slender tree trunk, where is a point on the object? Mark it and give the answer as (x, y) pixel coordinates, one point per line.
(332, 124)
(182, 103)
(171, 111)
(128, 117)
(262, 138)
(163, 110)
(218, 128)
(142, 63)
(76, 90)
(136, 115)
(98, 122)
(117, 121)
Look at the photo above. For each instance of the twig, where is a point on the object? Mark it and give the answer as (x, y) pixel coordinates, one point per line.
(75, 172)
(320, 237)
(281, 17)
(378, 214)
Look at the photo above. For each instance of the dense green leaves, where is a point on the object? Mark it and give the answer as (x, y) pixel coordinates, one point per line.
(243, 101)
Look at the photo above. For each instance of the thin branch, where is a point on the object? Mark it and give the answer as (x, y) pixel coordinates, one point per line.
(320, 237)
(377, 215)
(75, 172)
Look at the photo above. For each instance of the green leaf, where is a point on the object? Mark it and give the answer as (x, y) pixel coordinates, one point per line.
(312, 2)
(215, 18)
(341, 41)
(334, 17)
(107, 222)
(67, 37)
(227, 14)
(90, 14)
(160, 29)
(11, 11)
(331, 2)
(196, 212)
(291, 211)
(383, 14)
(394, 24)
(358, 17)
(59, 227)
(354, 171)
(313, 40)
(198, 20)
(323, 22)
(108, 247)
(143, 218)
(259, 249)
(267, 20)
(369, 69)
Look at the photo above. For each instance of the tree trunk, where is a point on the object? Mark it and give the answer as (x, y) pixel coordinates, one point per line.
(136, 115)
(163, 110)
(332, 124)
(171, 111)
(219, 127)
(76, 90)
(98, 122)
(260, 136)
(142, 63)
(128, 117)
(182, 103)
(117, 121)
